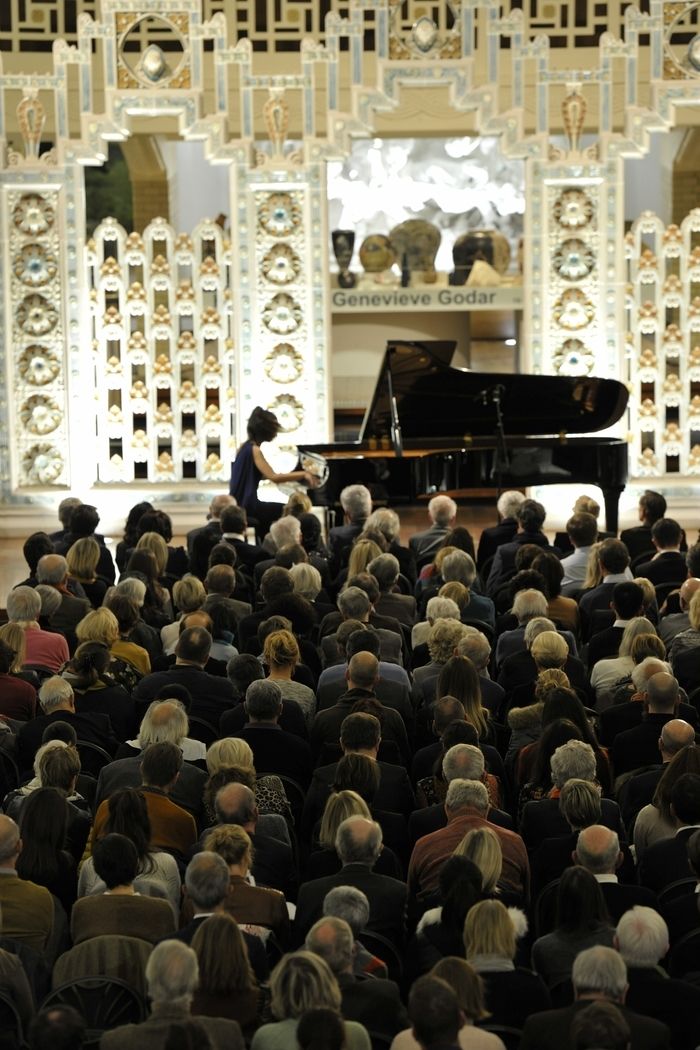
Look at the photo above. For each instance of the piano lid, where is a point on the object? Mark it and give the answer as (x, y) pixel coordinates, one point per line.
(434, 400)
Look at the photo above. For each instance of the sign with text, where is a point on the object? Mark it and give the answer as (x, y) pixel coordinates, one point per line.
(506, 297)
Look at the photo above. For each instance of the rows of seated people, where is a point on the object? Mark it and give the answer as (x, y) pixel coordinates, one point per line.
(350, 793)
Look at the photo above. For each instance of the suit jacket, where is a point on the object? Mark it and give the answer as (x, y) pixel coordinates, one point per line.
(604, 644)
(637, 540)
(151, 1034)
(27, 911)
(390, 648)
(69, 613)
(666, 861)
(92, 727)
(424, 544)
(682, 915)
(674, 1003)
(554, 855)
(376, 1004)
(686, 668)
(639, 746)
(273, 860)
(395, 793)
(503, 566)
(520, 668)
(401, 606)
(340, 540)
(542, 820)
(276, 751)
(431, 852)
(326, 725)
(619, 897)
(172, 828)
(492, 538)
(126, 772)
(393, 688)
(386, 896)
(424, 761)
(103, 914)
(291, 720)
(200, 543)
(666, 567)
(424, 821)
(621, 717)
(549, 1030)
(211, 694)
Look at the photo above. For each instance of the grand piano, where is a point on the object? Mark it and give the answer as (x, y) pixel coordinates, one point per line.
(433, 428)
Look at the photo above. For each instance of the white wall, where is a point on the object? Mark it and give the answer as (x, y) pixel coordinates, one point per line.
(648, 180)
(198, 189)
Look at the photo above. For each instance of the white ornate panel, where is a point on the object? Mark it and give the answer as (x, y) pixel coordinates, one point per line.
(663, 343)
(162, 358)
(35, 334)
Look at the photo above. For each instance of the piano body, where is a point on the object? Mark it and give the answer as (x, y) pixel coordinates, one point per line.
(432, 428)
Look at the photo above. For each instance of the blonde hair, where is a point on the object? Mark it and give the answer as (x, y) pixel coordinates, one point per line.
(489, 930)
(297, 504)
(307, 580)
(638, 627)
(228, 752)
(647, 645)
(694, 612)
(443, 638)
(340, 806)
(231, 842)
(100, 625)
(548, 680)
(587, 505)
(457, 592)
(440, 557)
(281, 649)
(189, 594)
(154, 542)
(549, 650)
(361, 554)
(13, 635)
(481, 845)
(82, 558)
(647, 589)
(466, 983)
(594, 570)
(302, 981)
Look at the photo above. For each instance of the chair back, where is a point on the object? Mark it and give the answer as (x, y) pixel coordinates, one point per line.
(93, 758)
(104, 1003)
(684, 957)
(296, 795)
(384, 949)
(202, 730)
(123, 958)
(510, 1037)
(679, 888)
(10, 1023)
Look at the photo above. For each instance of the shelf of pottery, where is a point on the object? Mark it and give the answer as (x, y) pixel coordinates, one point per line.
(398, 271)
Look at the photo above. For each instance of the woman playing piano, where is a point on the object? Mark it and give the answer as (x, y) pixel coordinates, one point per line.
(250, 467)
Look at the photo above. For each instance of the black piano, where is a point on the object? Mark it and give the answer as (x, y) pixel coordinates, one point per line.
(433, 428)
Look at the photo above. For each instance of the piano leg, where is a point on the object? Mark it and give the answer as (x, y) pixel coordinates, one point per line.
(611, 497)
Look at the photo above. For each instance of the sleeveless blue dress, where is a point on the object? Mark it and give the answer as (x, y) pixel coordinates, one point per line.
(245, 478)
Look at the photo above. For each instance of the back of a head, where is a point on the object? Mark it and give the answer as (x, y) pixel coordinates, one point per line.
(58, 1027)
(685, 799)
(172, 973)
(194, 645)
(161, 764)
(613, 556)
(353, 604)
(600, 1026)
(243, 669)
(463, 761)
(442, 510)
(365, 640)
(598, 849)
(363, 669)
(508, 503)
(434, 1012)
(321, 1029)
(356, 501)
(207, 880)
(467, 794)
(115, 860)
(627, 599)
(360, 732)
(530, 515)
(663, 693)
(332, 940)
(642, 937)
(263, 701)
(528, 604)
(350, 904)
(600, 971)
(358, 841)
(579, 804)
(549, 650)
(235, 804)
(582, 529)
(652, 505)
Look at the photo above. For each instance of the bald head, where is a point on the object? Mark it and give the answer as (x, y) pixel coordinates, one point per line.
(663, 693)
(358, 841)
(52, 569)
(235, 804)
(9, 842)
(363, 671)
(675, 735)
(333, 941)
(598, 850)
(218, 504)
(690, 586)
(641, 674)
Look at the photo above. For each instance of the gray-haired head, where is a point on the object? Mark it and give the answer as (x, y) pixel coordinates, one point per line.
(235, 804)
(66, 508)
(386, 521)
(350, 904)
(663, 693)
(463, 762)
(23, 605)
(353, 604)
(133, 588)
(458, 566)
(55, 693)
(676, 735)
(442, 510)
(332, 939)
(358, 841)
(263, 701)
(439, 608)
(600, 971)
(476, 646)
(467, 794)
(528, 604)
(574, 759)
(598, 850)
(207, 880)
(50, 599)
(356, 501)
(172, 974)
(642, 937)
(645, 670)
(385, 569)
(509, 502)
(538, 625)
(285, 530)
(165, 721)
(52, 569)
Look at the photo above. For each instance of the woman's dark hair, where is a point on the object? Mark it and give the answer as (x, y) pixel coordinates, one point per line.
(551, 568)
(7, 657)
(241, 671)
(42, 826)
(131, 531)
(527, 579)
(156, 521)
(143, 562)
(460, 538)
(357, 773)
(457, 732)
(564, 703)
(310, 531)
(90, 664)
(686, 761)
(321, 1029)
(35, 547)
(128, 816)
(553, 736)
(580, 902)
(115, 860)
(460, 888)
(220, 621)
(262, 425)
(459, 677)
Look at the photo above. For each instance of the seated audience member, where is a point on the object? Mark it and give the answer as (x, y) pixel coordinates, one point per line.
(355, 603)
(530, 517)
(252, 905)
(582, 530)
(434, 789)
(52, 570)
(272, 864)
(459, 567)
(639, 793)
(56, 765)
(672, 624)
(598, 851)
(376, 1003)
(599, 976)
(274, 750)
(482, 847)
(443, 637)
(57, 702)
(466, 806)
(520, 668)
(563, 610)
(548, 650)
(27, 909)
(639, 747)
(82, 524)
(211, 694)
(668, 564)
(476, 646)
(227, 987)
(300, 982)
(607, 673)
(33, 549)
(45, 649)
(626, 603)
(642, 940)
(490, 945)
(96, 691)
(459, 678)
(82, 559)
(189, 596)
(172, 976)
(581, 922)
(440, 931)
(386, 570)
(128, 817)
(321, 1029)
(120, 909)
(666, 860)
(682, 914)
(230, 760)
(17, 697)
(356, 502)
(44, 859)
(223, 586)
(386, 521)
(58, 1027)
(527, 605)
(579, 803)
(638, 539)
(531, 743)
(129, 662)
(626, 714)
(212, 528)
(131, 533)
(613, 561)
(172, 828)
(392, 687)
(139, 631)
(351, 905)
(600, 1025)
(689, 639)
(281, 655)
(494, 535)
(341, 805)
(442, 512)
(358, 844)
(468, 986)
